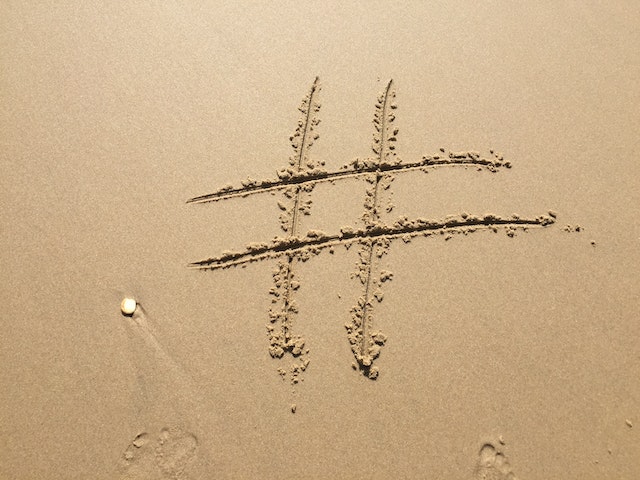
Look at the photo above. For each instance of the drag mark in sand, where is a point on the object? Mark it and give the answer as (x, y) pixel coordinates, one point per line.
(315, 241)
(296, 202)
(353, 169)
(374, 238)
(366, 342)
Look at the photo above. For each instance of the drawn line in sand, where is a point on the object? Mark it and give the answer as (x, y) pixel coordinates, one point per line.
(352, 169)
(296, 202)
(297, 182)
(315, 241)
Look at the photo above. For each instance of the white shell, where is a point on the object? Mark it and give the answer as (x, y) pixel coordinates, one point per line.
(128, 306)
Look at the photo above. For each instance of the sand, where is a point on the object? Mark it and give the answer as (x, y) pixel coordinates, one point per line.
(364, 241)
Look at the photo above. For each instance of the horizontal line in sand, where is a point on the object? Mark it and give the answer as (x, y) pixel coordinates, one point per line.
(320, 241)
(320, 176)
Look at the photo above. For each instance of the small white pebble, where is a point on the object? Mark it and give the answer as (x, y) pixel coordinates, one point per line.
(128, 306)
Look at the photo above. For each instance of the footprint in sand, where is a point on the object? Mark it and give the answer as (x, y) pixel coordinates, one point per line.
(175, 449)
(492, 465)
(163, 456)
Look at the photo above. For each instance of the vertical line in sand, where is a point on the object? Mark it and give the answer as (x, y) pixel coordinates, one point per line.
(296, 205)
(376, 217)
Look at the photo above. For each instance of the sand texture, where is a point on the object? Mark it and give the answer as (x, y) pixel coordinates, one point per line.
(320, 240)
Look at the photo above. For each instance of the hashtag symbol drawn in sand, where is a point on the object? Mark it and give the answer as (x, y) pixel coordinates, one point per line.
(373, 237)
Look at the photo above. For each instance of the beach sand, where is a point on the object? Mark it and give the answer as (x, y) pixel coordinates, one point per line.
(365, 241)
